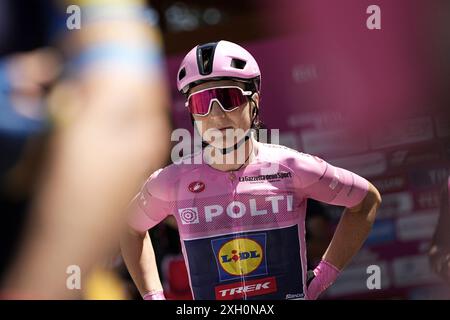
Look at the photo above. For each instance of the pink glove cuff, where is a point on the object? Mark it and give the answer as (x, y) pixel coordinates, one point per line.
(325, 274)
(154, 295)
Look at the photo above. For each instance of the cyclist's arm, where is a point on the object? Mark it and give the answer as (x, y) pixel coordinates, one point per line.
(333, 185)
(139, 257)
(147, 210)
(353, 229)
(323, 182)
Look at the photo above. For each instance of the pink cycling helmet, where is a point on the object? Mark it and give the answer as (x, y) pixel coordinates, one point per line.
(217, 61)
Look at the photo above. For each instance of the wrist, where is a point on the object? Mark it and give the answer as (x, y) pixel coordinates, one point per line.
(325, 266)
(325, 275)
(154, 295)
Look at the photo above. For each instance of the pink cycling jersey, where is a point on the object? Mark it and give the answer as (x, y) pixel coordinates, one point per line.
(242, 233)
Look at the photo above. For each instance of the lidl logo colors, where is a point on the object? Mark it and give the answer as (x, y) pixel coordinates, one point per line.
(240, 256)
(243, 256)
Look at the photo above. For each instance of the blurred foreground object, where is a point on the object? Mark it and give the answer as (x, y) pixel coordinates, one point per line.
(25, 77)
(112, 129)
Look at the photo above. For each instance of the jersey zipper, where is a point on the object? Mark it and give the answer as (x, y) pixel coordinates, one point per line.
(232, 177)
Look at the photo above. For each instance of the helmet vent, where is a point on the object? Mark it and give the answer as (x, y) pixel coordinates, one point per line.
(205, 57)
(182, 74)
(238, 63)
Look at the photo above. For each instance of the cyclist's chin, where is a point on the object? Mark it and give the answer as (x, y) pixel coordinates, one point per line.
(225, 143)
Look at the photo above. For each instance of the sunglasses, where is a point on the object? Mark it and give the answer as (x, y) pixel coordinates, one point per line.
(229, 99)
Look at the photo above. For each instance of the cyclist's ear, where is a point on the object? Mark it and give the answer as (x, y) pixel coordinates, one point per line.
(254, 110)
(254, 105)
(255, 97)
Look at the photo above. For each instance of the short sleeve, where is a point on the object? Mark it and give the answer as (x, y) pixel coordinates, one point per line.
(148, 208)
(321, 181)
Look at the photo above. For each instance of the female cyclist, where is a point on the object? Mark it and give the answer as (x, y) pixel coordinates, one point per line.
(241, 223)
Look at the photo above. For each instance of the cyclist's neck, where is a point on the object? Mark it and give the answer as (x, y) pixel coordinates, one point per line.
(233, 160)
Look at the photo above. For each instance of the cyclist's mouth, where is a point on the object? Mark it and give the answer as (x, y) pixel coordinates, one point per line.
(223, 129)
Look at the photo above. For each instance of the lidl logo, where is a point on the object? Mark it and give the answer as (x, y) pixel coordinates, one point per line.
(240, 256)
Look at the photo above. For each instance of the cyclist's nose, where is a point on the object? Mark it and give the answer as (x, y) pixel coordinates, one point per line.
(216, 110)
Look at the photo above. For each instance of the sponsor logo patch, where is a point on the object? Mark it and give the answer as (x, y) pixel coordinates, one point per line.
(266, 177)
(238, 257)
(196, 186)
(251, 288)
(188, 215)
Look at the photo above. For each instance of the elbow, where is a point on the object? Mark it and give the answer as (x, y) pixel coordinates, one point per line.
(373, 200)
(369, 205)
(131, 234)
(376, 196)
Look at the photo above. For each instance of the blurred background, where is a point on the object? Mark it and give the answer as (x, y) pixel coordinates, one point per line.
(376, 102)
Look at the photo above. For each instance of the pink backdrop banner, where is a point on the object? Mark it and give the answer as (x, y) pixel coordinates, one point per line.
(362, 99)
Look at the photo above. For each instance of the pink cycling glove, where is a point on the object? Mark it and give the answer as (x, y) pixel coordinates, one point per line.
(154, 295)
(325, 274)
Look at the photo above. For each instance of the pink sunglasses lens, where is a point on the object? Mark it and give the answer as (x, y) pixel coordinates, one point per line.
(230, 98)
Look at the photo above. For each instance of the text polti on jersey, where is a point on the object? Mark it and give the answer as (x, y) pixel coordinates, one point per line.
(237, 209)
